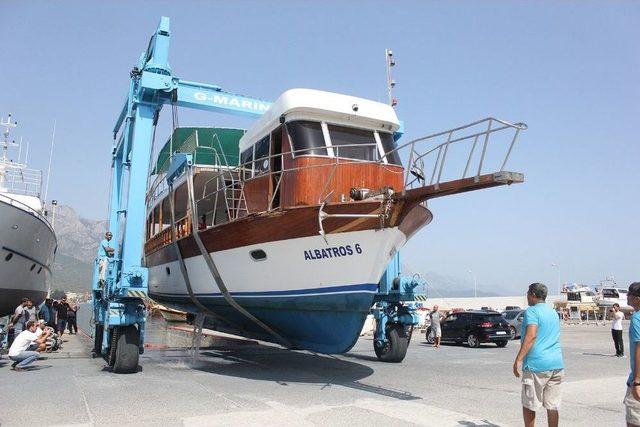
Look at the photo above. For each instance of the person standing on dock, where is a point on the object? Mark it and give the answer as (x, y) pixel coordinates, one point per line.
(105, 251)
(18, 351)
(616, 329)
(46, 312)
(632, 398)
(436, 328)
(20, 317)
(540, 357)
(71, 319)
(62, 310)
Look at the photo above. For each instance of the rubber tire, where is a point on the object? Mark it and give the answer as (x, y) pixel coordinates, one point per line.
(127, 351)
(97, 340)
(473, 343)
(512, 329)
(428, 337)
(396, 348)
(502, 343)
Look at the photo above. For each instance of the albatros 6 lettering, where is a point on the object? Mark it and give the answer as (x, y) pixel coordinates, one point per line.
(334, 252)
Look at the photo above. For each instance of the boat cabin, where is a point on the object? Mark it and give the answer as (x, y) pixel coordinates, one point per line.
(312, 146)
(308, 148)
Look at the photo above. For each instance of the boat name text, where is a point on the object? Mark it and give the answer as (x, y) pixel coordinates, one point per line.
(335, 252)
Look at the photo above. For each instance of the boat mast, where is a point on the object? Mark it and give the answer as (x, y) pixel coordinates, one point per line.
(5, 144)
(391, 83)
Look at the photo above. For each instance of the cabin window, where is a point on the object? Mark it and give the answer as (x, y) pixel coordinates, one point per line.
(353, 143)
(388, 144)
(261, 156)
(246, 160)
(307, 138)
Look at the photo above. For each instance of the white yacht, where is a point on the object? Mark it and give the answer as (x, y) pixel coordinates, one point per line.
(27, 240)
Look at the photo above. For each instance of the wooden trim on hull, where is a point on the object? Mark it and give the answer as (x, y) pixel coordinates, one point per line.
(293, 223)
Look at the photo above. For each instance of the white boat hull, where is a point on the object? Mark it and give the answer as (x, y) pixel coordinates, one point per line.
(27, 251)
(317, 294)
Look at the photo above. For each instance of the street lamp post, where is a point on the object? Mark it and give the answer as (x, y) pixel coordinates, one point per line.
(557, 266)
(475, 283)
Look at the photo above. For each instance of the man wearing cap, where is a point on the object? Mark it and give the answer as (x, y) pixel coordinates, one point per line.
(105, 251)
(632, 398)
(540, 356)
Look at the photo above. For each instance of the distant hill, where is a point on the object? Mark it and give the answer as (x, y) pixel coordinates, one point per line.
(439, 285)
(77, 245)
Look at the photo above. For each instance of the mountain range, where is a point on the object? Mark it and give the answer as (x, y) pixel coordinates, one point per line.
(78, 240)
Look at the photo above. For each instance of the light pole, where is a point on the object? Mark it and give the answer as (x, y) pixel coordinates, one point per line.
(54, 204)
(557, 266)
(475, 283)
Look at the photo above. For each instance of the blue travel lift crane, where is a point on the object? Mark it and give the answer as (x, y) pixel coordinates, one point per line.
(119, 309)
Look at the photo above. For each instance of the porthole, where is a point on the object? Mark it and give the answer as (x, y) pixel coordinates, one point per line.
(168, 271)
(39, 270)
(258, 255)
(33, 266)
(8, 257)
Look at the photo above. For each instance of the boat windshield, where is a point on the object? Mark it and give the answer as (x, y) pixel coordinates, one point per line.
(307, 138)
(388, 144)
(353, 143)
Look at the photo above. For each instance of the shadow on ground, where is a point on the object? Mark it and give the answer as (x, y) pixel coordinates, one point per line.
(282, 366)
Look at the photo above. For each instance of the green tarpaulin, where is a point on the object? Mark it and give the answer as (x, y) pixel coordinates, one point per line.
(209, 146)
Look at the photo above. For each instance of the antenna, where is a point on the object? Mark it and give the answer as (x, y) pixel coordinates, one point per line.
(7, 124)
(391, 83)
(53, 140)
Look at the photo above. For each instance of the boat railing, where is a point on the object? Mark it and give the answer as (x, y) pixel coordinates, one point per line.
(20, 180)
(480, 135)
(182, 229)
(450, 159)
(228, 186)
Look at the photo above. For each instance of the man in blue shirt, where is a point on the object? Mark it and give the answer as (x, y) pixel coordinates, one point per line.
(540, 356)
(632, 398)
(105, 251)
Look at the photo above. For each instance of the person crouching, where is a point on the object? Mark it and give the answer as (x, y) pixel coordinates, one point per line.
(19, 353)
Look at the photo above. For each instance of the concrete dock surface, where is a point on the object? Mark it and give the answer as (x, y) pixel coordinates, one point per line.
(259, 384)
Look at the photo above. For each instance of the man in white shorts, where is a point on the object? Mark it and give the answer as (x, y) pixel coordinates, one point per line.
(540, 356)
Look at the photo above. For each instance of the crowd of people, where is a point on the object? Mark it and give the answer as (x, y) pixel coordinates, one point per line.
(36, 330)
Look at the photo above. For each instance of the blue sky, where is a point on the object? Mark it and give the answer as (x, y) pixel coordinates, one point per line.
(568, 69)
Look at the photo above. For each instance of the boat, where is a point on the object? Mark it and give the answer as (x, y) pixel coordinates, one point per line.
(298, 216)
(609, 293)
(28, 241)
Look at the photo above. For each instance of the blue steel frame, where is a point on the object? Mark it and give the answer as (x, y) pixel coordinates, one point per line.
(391, 307)
(119, 301)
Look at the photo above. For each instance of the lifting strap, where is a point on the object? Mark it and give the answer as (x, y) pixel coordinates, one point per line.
(185, 273)
(214, 270)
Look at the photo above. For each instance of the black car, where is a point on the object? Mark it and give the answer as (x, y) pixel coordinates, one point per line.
(474, 327)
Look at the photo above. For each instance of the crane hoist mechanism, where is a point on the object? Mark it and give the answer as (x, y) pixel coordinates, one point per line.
(339, 225)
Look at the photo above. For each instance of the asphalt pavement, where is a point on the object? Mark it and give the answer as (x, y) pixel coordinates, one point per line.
(261, 384)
